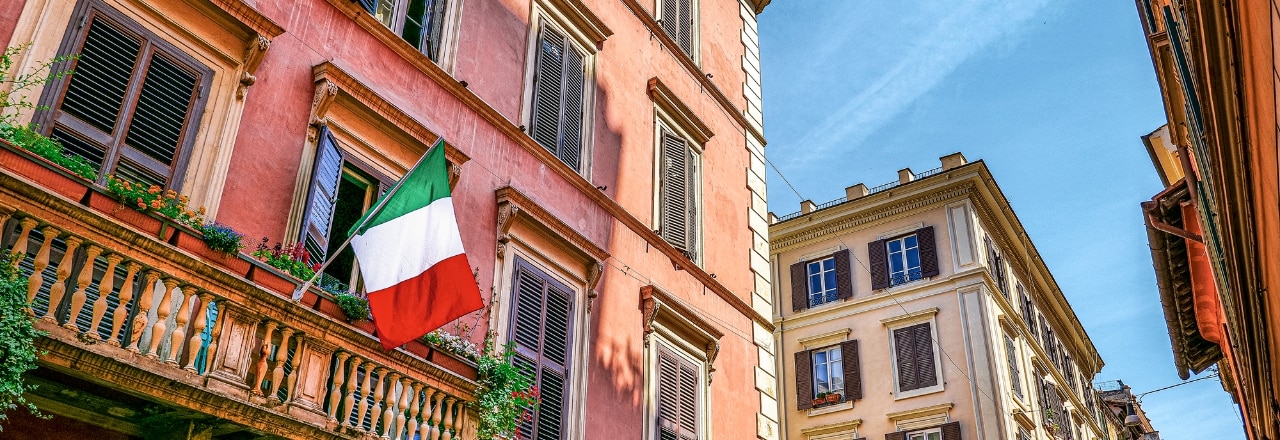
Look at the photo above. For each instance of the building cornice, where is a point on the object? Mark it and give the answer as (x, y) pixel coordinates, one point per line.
(841, 223)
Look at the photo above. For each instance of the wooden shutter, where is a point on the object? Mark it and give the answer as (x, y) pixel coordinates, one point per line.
(676, 193)
(541, 328)
(928, 251)
(924, 358)
(685, 36)
(878, 258)
(423, 24)
(670, 17)
(799, 287)
(677, 396)
(368, 5)
(572, 106)
(951, 431)
(804, 379)
(849, 363)
(844, 275)
(559, 97)
(1015, 376)
(896, 435)
(692, 183)
(323, 195)
(133, 104)
(904, 353)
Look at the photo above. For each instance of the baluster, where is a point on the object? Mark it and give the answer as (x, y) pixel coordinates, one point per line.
(78, 297)
(19, 250)
(40, 264)
(378, 392)
(179, 336)
(299, 342)
(281, 357)
(402, 405)
(263, 353)
(335, 390)
(349, 402)
(415, 408)
(428, 394)
(197, 330)
(447, 428)
(144, 310)
(105, 287)
(59, 288)
(365, 388)
(211, 353)
(163, 309)
(435, 416)
(389, 413)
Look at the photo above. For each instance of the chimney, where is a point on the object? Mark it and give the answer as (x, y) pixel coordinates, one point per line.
(807, 206)
(855, 191)
(905, 176)
(773, 218)
(953, 160)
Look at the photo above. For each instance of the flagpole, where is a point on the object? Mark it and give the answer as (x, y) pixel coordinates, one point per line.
(297, 293)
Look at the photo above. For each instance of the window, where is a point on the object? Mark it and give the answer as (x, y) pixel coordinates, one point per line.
(678, 390)
(541, 324)
(822, 281)
(1023, 434)
(678, 187)
(134, 103)
(1015, 374)
(928, 434)
(996, 264)
(341, 191)
(558, 117)
(420, 22)
(679, 20)
(827, 370)
(948, 431)
(828, 377)
(1028, 309)
(913, 350)
(903, 259)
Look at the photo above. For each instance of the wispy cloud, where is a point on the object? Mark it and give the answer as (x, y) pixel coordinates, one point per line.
(902, 64)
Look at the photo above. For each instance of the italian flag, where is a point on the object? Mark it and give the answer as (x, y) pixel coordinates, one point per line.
(411, 257)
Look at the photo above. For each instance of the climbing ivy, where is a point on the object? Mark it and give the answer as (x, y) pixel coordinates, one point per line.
(18, 336)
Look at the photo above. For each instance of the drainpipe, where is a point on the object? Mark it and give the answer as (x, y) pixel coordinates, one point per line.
(778, 361)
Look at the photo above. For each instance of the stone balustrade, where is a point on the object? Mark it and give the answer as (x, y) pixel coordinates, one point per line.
(140, 307)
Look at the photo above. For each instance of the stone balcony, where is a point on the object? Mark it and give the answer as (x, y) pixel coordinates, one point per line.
(130, 311)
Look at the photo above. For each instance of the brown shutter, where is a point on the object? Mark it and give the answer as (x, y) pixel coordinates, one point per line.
(926, 372)
(668, 388)
(670, 17)
(928, 251)
(799, 287)
(677, 397)
(897, 435)
(849, 362)
(674, 227)
(541, 327)
(685, 38)
(878, 258)
(322, 196)
(844, 275)
(548, 82)
(951, 431)
(688, 401)
(904, 350)
(571, 108)
(691, 203)
(804, 380)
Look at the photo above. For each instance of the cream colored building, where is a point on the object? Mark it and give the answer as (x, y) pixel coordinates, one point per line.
(920, 310)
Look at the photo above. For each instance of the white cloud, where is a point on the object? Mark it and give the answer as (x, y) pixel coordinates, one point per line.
(886, 68)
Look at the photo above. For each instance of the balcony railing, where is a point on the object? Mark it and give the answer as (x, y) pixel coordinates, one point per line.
(102, 288)
(873, 190)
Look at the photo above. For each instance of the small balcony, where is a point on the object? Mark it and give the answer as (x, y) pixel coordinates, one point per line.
(133, 312)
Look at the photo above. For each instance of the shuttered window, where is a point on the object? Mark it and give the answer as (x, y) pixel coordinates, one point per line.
(903, 259)
(132, 106)
(914, 357)
(678, 396)
(1015, 373)
(948, 431)
(820, 281)
(559, 97)
(419, 22)
(1028, 309)
(678, 188)
(996, 264)
(678, 20)
(541, 325)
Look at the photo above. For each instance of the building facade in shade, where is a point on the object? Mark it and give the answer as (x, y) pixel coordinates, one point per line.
(1213, 229)
(920, 310)
(606, 163)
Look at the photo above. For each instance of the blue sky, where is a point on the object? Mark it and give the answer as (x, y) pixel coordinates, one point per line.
(1052, 95)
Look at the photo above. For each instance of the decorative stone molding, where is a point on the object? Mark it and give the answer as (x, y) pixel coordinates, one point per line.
(785, 242)
(254, 52)
(920, 315)
(825, 339)
(580, 18)
(921, 417)
(825, 431)
(661, 310)
(667, 100)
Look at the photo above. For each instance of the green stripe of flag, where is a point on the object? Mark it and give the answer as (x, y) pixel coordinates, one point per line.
(426, 183)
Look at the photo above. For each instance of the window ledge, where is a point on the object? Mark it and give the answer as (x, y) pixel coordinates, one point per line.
(825, 339)
(919, 392)
(910, 317)
(848, 404)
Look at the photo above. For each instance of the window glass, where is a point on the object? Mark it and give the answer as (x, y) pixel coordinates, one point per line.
(356, 193)
(904, 260)
(828, 376)
(822, 281)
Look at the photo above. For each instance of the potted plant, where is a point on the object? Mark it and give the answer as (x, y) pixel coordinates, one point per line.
(292, 260)
(148, 203)
(26, 151)
(355, 307)
(505, 396)
(215, 242)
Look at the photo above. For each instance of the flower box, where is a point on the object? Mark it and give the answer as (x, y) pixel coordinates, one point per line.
(455, 364)
(43, 172)
(271, 279)
(827, 399)
(147, 223)
(187, 240)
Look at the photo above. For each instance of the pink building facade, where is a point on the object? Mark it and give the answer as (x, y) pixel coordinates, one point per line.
(608, 172)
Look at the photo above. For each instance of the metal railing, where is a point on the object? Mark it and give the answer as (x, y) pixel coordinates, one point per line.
(873, 190)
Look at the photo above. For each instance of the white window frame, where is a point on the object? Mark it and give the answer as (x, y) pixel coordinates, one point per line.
(937, 361)
(695, 36)
(665, 122)
(545, 15)
(889, 256)
(923, 434)
(823, 289)
(661, 337)
(838, 370)
(448, 35)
